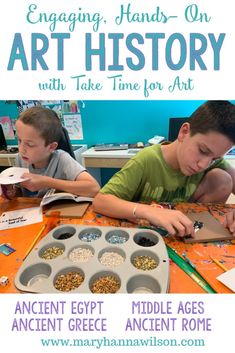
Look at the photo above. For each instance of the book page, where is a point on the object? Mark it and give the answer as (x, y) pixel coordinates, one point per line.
(52, 196)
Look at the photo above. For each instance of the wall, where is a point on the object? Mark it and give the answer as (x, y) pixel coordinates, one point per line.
(130, 121)
(123, 121)
(9, 110)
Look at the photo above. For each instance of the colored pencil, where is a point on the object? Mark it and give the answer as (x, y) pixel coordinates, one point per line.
(219, 264)
(35, 241)
(191, 272)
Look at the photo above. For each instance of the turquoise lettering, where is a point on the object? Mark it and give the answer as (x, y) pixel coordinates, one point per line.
(100, 52)
(195, 54)
(116, 38)
(155, 48)
(37, 54)
(17, 53)
(192, 14)
(183, 51)
(216, 46)
(135, 51)
(39, 47)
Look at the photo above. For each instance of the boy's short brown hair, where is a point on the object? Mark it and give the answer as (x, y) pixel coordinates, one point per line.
(216, 116)
(45, 121)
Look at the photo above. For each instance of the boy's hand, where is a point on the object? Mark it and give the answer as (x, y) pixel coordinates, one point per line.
(229, 222)
(175, 222)
(34, 182)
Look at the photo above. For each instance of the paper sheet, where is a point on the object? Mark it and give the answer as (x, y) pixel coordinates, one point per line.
(18, 218)
(228, 278)
(73, 123)
(12, 175)
(5, 121)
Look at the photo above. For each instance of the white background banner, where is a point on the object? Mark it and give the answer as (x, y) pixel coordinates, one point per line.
(124, 323)
(117, 49)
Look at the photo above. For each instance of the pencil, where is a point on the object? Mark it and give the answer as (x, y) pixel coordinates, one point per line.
(191, 272)
(219, 264)
(35, 241)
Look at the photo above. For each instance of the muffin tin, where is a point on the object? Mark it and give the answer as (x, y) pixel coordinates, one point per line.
(134, 260)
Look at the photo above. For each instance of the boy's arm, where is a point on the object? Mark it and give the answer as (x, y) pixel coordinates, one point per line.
(84, 185)
(175, 222)
(231, 171)
(87, 184)
(229, 219)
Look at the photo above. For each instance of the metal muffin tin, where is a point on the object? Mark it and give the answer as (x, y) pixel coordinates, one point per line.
(38, 275)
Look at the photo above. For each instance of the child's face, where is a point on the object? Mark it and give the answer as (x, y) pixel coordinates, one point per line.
(32, 146)
(196, 153)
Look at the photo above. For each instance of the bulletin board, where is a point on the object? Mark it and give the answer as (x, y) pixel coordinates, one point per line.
(70, 116)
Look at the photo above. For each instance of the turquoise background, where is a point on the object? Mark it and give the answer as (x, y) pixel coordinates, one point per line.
(122, 121)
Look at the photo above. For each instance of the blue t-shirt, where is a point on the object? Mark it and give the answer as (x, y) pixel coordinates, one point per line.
(61, 166)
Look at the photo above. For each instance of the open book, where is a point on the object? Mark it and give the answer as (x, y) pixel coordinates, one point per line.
(53, 195)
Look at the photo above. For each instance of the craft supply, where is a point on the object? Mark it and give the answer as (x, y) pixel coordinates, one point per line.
(67, 209)
(197, 225)
(219, 264)
(111, 259)
(106, 285)
(187, 268)
(145, 263)
(89, 253)
(6, 249)
(116, 239)
(146, 242)
(89, 236)
(35, 241)
(207, 228)
(4, 281)
(52, 252)
(80, 255)
(228, 278)
(69, 281)
(188, 260)
(65, 235)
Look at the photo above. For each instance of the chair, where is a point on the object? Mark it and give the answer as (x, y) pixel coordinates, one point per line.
(174, 127)
(65, 144)
(3, 143)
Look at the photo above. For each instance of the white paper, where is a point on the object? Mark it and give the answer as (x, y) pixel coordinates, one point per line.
(228, 279)
(12, 175)
(19, 218)
(73, 124)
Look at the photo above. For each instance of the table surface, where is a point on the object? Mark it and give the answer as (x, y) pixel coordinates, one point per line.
(127, 153)
(199, 254)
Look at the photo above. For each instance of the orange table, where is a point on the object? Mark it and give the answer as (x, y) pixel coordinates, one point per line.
(21, 238)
